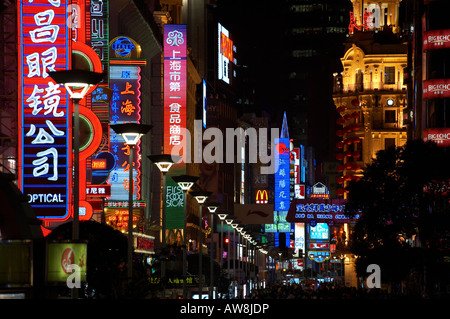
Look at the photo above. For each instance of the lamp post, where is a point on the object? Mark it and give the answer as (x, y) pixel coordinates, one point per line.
(185, 182)
(234, 225)
(77, 84)
(212, 207)
(222, 217)
(201, 197)
(132, 133)
(164, 162)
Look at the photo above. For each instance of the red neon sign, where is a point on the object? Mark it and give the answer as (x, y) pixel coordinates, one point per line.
(98, 163)
(226, 46)
(44, 110)
(262, 196)
(436, 39)
(175, 70)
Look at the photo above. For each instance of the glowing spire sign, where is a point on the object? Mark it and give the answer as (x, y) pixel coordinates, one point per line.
(43, 111)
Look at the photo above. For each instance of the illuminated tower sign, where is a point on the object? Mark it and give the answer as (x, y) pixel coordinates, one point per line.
(225, 51)
(43, 110)
(175, 115)
(125, 83)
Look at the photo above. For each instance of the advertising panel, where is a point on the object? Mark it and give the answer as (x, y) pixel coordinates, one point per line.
(125, 108)
(437, 88)
(16, 263)
(60, 255)
(175, 116)
(282, 183)
(321, 210)
(440, 136)
(320, 231)
(261, 196)
(44, 110)
(436, 39)
(225, 52)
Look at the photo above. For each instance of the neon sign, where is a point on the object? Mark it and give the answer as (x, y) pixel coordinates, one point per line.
(174, 85)
(175, 117)
(225, 52)
(125, 108)
(43, 112)
(282, 185)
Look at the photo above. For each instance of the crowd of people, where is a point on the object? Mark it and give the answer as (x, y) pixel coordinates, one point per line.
(323, 291)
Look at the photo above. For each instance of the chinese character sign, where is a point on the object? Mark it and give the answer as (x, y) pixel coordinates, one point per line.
(282, 174)
(174, 86)
(125, 108)
(175, 115)
(43, 111)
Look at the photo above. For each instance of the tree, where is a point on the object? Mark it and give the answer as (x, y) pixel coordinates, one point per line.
(401, 198)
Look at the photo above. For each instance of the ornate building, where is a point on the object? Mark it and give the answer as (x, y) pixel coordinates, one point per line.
(370, 93)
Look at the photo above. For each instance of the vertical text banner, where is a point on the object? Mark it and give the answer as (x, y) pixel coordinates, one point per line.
(282, 174)
(125, 108)
(175, 104)
(43, 110)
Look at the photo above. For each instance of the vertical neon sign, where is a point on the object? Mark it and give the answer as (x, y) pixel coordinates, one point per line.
(125, 108)
(282, 187)
(175, 114)
(43, 111)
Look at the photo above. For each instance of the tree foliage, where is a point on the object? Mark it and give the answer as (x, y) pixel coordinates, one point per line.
(401, 197)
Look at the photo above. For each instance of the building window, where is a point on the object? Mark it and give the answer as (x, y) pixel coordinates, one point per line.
(389, 116)
(389, 142)
(389, 75)
(359, 78)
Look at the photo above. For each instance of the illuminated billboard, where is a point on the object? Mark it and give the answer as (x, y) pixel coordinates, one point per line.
(62, 255)
(44, 150)
(175, 117)
(225, 54)
(125, 108)
(282, 174)
(320, 231)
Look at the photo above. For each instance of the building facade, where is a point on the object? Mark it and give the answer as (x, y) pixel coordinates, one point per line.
(370, 92)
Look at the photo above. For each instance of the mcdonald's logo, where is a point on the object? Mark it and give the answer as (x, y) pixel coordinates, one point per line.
(262, 196)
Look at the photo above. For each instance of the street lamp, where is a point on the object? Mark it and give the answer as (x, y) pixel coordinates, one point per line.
(164, 162)
(222, 217)
(132, 133)
(185, 182)
(201, 197)
(77, 84)
(212, 207)
(235, 225)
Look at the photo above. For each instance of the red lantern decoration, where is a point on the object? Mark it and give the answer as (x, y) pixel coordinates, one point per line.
(340, 133)
(340, 192)
(355, 167)
(340, 121)
(340, 144)
(355, 127)
(340, 109)
(356, 155)
(355, 115)
(347, 117)
(340, 156)
(356, 139)
(347, 178)
(340, 180)
(355, 102)
(348, 166)
(348, 141)
(348, 153)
